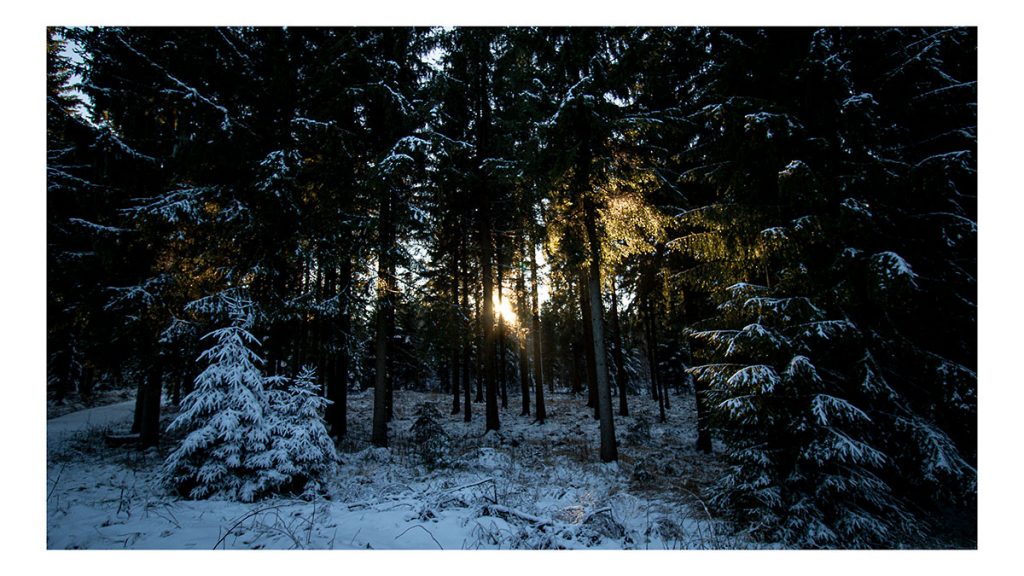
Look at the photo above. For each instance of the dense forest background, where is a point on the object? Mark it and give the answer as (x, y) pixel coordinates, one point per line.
(782, 220)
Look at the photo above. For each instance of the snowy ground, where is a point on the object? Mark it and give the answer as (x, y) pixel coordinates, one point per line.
(530, 487)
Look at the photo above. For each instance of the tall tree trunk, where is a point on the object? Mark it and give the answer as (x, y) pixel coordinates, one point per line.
(609, 449)
(652, 356)
(337, 374)
(587, 313)
(392, 348)
(482, 55)
(620, 367)
(490, 383)
(521, 331)
(480, 353)
(379, 436)
(582, 188)
(140, 400)
(647, 313)
(502, 361)
(467, 406)
(538, 366)
(665, 400)
(457, 325)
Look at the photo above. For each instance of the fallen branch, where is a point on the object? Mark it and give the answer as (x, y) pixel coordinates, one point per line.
(498, 510)
(484, 481)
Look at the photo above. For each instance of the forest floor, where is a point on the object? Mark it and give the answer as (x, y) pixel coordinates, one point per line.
(529, 486)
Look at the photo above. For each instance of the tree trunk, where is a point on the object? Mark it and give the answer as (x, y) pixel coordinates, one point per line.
(467, 406)
(521, 332)
(538, 366)
(456, 324)
(379, 436)
(490, 385)
(337, 372)
(609, 449)
(502, 361)
(480, 354)
(391, 356)
(652, 354)
(620, 367)
(587, 311)
(486, 230)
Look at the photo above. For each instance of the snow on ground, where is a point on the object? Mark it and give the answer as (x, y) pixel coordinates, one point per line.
(530, 486)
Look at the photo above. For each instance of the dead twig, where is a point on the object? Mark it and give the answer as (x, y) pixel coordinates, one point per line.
(243, 519)
(425, 530)
(56, 481)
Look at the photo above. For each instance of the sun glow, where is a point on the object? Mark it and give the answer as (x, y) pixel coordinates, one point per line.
(503, 309)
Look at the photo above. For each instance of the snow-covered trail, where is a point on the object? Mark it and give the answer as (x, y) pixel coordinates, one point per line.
(64, 428)
(100, 416)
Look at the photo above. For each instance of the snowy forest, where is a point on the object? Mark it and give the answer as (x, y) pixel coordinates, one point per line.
(511, 288)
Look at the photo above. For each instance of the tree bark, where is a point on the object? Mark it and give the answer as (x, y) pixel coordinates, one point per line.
(652, 355)
(379, 436)
(521, 332)
(538, 366)
(620, 367)
(486, 231)
(467, 406)
(454, 342)
(609, 450)
(337, 373)
(502, 361)
(490, 385)
(586, 309)
(584, 192)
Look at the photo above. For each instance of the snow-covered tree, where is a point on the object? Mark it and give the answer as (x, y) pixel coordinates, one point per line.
(833, 375)
(804, 458)
(228, 430)
(301, 448)
(244, 439)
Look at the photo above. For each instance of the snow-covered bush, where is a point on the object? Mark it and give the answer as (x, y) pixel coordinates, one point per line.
(245, 439)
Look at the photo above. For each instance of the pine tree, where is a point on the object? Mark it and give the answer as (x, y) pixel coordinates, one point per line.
(227, 450)
(302, 449)
(247, 436)
(798, 246)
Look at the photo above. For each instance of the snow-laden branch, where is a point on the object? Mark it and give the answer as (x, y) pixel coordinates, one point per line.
(189, 90)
